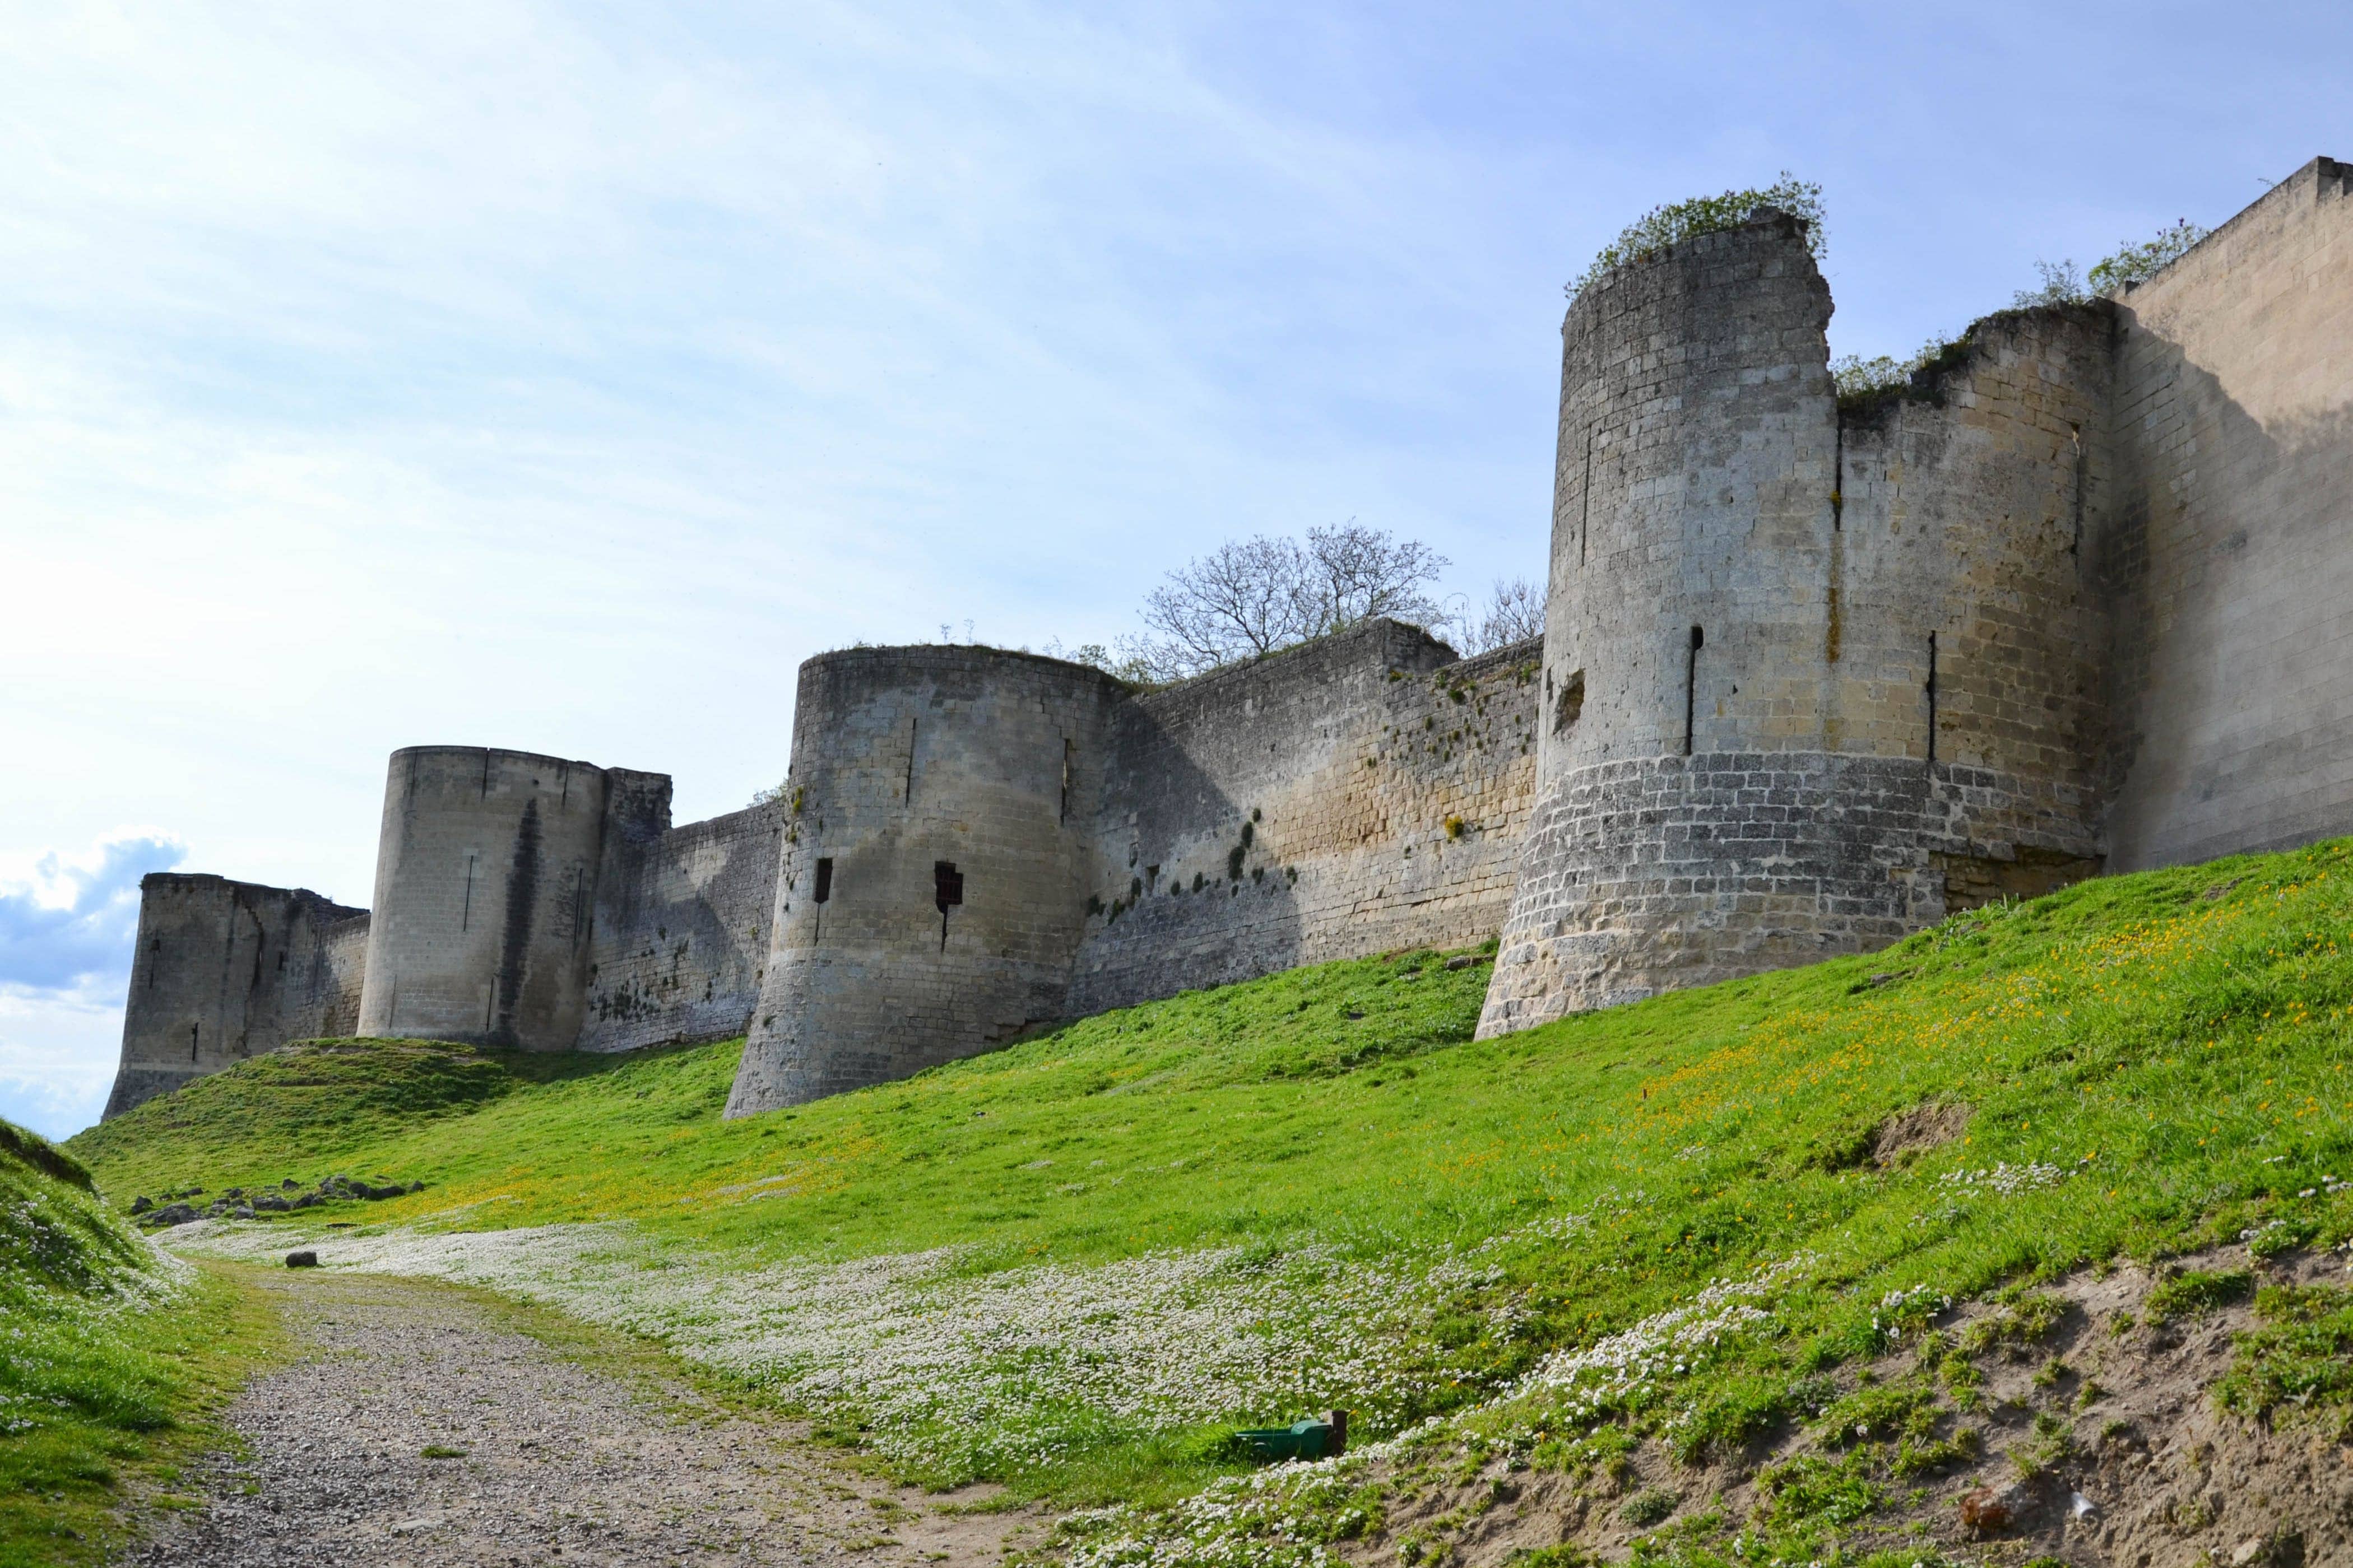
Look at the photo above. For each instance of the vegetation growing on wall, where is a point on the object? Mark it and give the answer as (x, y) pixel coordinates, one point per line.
(2138, 263)
(1859, 378)
(1672, 223)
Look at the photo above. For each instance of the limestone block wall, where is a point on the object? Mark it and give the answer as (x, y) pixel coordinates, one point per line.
(937, 868)
(485, 888)
(226, 969)
(680, 943)
(1800, 667)
(1356, 795)
(1966, 625)
(2233, 428)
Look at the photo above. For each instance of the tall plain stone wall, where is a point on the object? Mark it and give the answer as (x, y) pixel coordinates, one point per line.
(2233, 426)
(224, 970)
(1356, 795)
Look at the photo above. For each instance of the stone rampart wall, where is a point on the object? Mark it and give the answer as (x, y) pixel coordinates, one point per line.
(1963, 556)
(1812, 676)
(936, 866)
(1695, 472)
(1892, 598)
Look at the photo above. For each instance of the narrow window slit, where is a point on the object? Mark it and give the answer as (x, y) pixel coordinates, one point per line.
(1838, 479)
(2076, 544)
(1690, 690)
(1585, 498)
(1932, 700)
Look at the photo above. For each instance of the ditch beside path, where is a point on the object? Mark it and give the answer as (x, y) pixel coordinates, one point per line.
(573, 1459)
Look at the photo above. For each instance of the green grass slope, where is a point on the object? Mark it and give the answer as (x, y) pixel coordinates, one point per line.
(109, 1358)
(2139, 1065)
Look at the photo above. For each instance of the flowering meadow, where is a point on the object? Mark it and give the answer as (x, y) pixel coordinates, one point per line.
(1073, 1265)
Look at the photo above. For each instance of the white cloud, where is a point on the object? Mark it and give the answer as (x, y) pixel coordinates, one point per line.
(57, 1056)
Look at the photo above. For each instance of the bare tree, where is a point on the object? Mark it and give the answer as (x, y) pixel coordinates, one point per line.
(1354, 572)
(1249, 598)
(1240, 600)
(1514, 613)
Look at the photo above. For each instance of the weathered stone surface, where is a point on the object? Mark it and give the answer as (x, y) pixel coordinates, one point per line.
(935, 864)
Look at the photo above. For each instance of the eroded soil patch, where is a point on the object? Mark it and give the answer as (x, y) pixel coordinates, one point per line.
(2087, 1432)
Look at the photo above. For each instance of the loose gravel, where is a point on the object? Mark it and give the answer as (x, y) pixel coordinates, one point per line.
(563, 1462)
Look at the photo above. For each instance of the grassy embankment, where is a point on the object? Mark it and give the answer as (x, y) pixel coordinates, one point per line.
(1358, 1205)
(112, 1360)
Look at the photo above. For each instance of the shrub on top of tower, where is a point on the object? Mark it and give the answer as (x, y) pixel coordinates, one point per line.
(1672, 223)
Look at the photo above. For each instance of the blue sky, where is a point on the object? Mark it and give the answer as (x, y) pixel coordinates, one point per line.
(559, 377)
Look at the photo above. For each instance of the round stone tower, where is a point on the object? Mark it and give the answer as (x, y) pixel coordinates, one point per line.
(485, 885)
(937, 864)
(1811, 676)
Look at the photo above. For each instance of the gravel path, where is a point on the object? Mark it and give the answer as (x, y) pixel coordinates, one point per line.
(564, 1463)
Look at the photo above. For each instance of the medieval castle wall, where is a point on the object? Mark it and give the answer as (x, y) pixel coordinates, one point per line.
(486, 877)
(1814, 674)
(934, 884)
(1806, 661)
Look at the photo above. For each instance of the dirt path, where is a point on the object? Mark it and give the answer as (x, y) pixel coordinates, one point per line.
(567, 1460)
